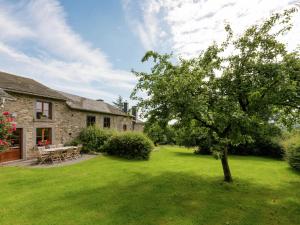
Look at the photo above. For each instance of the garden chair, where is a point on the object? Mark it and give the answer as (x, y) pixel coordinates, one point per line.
(69, 153)
(76, 152)
(42, 156)
(56, 156)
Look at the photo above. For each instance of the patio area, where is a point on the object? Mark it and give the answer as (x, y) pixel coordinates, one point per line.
(33, 162)
(57, 153)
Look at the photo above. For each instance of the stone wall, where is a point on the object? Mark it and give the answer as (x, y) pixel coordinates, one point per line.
(138, 127)
(65, 124)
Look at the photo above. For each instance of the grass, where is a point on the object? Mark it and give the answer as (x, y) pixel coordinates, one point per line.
(173, 187)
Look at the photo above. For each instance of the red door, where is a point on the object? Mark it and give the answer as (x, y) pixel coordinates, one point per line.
(15, 151)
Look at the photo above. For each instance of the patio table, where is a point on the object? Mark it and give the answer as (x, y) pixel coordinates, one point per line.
(59, 149)
(60, 153)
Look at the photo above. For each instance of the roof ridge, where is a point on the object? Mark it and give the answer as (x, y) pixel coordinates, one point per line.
(25, 85)
(24, 77)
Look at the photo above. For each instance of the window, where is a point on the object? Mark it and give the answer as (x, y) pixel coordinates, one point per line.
(43, 110)
(43, 136)
(106, 123)
(124, 127)
(90, 120)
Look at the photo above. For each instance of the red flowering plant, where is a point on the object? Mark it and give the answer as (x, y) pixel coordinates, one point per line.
(7, 127)
(44, 142)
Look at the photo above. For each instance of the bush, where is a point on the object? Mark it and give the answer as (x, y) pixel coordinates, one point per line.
(93, 138)
(159, 134)
(267, 147)
(291, 143)
(130, 145)
(203, 151)
(74, 142)
(293, 156)
(261, 147)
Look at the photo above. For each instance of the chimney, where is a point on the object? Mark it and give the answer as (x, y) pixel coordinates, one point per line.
(125, 107)
(134, 112)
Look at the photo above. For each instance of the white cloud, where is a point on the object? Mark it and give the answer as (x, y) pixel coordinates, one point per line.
(147, 24)
(191, 25)
(36, 41)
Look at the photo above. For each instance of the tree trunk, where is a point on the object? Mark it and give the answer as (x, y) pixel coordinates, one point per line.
(225, 165)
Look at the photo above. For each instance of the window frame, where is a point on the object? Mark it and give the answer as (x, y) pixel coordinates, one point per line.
(106, 122)
(42, 110)
(49, 139)
(89, 123)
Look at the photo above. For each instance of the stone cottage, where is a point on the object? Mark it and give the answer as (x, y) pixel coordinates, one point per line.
(44, 115)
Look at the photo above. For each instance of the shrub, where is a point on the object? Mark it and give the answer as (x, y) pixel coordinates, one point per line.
(293, 156)
(290, 138)
(130, 145)
(7, 127)
(74, 142)
(261, 147)
(93, 138)
(203, 151)
(291, 143)
(160, 134)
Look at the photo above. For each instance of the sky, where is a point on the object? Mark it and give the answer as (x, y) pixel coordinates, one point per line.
(89, 47)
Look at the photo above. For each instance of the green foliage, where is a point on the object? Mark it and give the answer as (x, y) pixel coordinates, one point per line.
(159, 134)
(6, 130)
(293, 156)
(265, 143)
(130, 145)
(203, 151)
(93, 138)
(155, 132)
(291, 143)
(290, 138)
(260, 147)
(231, 95)
(74, 142)
(188, 136)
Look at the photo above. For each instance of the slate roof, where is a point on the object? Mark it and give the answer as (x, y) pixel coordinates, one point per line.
(86, 104)
(23, 85)
(3, 94)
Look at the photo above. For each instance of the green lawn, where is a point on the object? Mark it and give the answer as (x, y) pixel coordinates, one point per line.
(173, 187)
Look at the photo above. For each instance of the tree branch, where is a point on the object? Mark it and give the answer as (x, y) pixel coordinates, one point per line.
(205, 124)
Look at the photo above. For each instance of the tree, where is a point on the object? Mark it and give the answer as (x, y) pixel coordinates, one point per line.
(231, 95)
(155, 132)
(159, 134)
(119, 103)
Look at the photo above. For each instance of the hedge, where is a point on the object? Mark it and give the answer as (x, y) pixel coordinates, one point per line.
(130, 145)
(93, 138)
(268, 148)
(293, 156)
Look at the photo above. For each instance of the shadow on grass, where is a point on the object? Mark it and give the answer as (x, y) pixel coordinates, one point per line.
(291, 170)
(121, 159)
(239, 157)
(175, 198)
(188, 154)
